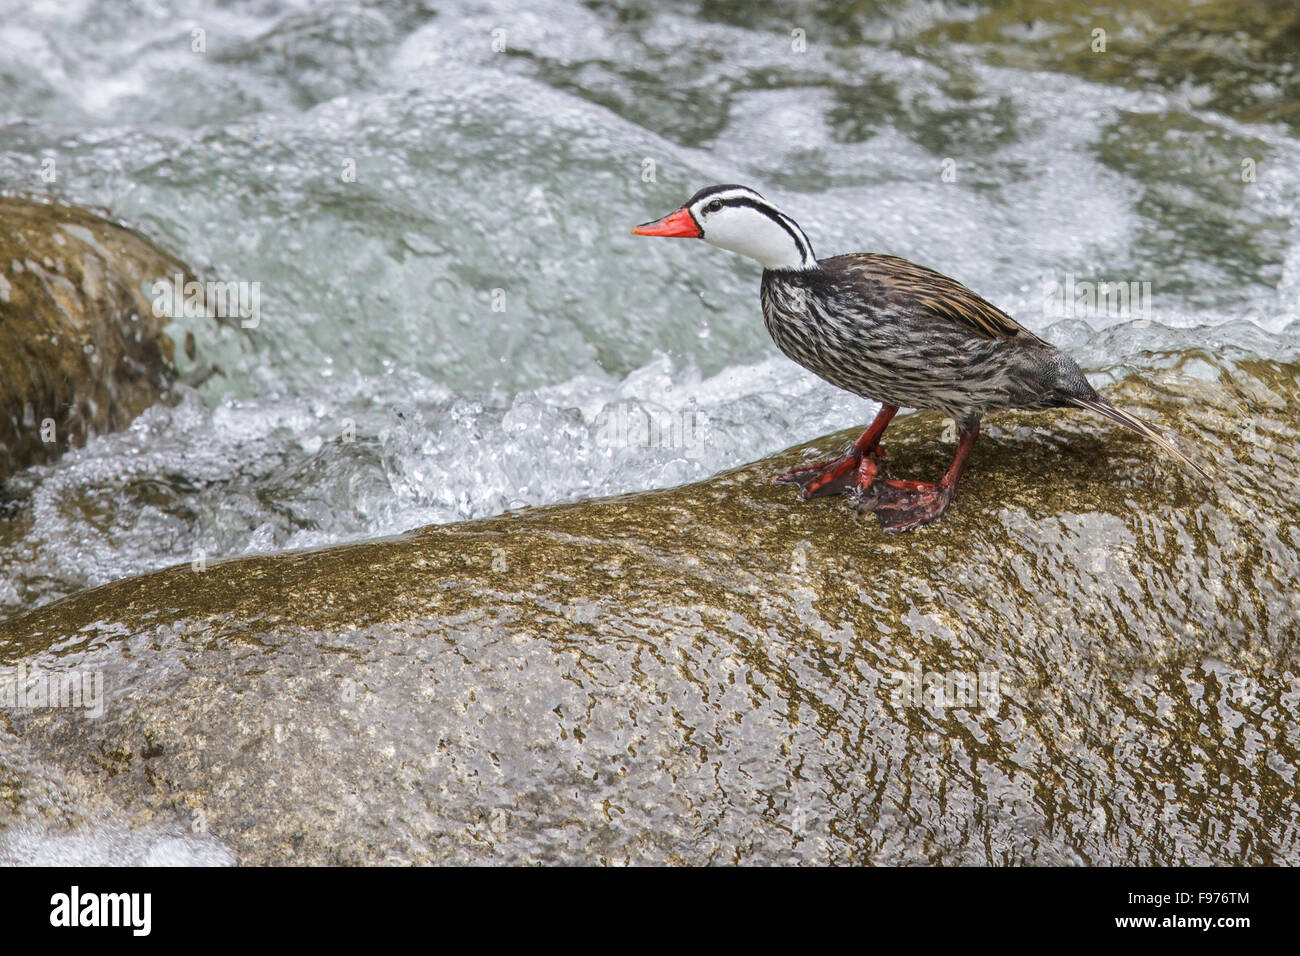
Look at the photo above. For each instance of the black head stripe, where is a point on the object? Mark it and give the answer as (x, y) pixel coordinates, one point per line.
(710, 190)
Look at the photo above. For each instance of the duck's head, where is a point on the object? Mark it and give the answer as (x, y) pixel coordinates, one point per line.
(739, 219)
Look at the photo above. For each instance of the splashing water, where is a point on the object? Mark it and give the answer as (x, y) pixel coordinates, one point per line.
(435, 206)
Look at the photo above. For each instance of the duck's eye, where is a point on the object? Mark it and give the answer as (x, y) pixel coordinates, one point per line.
(715, 206)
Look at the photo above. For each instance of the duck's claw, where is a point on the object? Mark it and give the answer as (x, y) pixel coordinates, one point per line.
(853, 472)
(830, 477)
(904, 505)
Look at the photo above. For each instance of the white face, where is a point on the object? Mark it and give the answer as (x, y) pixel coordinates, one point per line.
(741, 220)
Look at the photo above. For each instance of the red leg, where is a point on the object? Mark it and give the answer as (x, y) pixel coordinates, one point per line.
(906, 505)
(854, 469)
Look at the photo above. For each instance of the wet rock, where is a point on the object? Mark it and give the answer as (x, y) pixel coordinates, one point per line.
(1092, 659)
(81, 350)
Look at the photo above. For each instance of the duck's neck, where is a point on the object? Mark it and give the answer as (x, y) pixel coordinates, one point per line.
(785, 248)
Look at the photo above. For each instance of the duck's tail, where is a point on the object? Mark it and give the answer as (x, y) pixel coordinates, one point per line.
(1145, 429)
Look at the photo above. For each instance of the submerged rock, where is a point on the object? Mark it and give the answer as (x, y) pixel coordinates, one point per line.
(81, 349)
(1091, 659)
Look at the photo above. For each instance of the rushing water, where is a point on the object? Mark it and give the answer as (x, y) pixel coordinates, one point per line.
(469, 307)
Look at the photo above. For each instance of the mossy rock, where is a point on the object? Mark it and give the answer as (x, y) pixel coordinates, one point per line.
(718, 673)
(81, 349)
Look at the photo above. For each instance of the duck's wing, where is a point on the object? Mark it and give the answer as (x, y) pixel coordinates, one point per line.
(916, 290)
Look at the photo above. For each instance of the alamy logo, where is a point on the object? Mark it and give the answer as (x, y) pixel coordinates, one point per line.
(940, 690)
(21, 689)
(103, 909)
(628, 425)
(176, 298)
(1082, 298)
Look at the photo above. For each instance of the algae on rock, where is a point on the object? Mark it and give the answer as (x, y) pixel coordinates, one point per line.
(722, 673)
(81, 348)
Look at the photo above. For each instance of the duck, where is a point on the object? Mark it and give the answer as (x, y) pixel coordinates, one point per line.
(897, 333)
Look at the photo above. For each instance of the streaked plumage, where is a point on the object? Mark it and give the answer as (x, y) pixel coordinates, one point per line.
(889, 330)
(893, 331)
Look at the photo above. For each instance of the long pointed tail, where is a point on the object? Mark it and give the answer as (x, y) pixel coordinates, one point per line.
(1145, 429)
